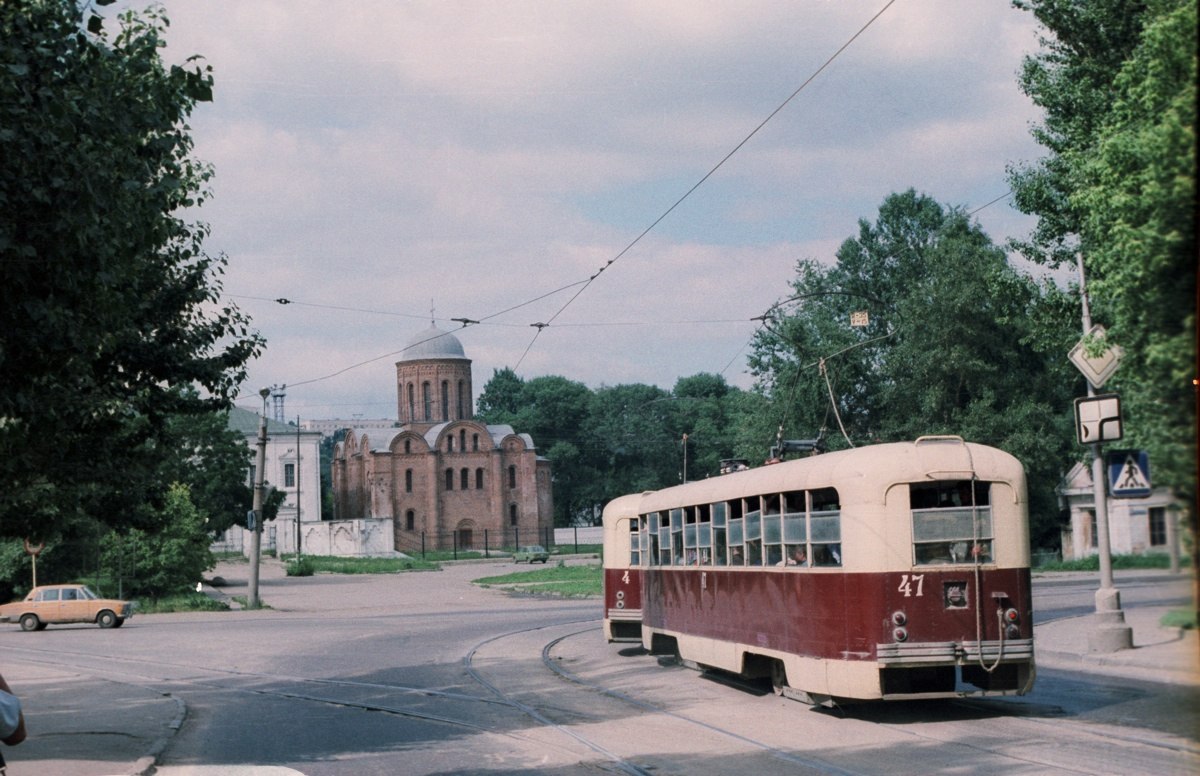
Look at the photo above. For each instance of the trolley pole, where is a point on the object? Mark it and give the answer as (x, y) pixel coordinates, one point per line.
(1109, 632)
(259, 474)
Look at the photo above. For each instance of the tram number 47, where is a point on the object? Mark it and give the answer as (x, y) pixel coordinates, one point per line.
(908, 582)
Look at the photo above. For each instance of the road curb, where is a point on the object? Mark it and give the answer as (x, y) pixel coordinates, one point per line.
(146, 764)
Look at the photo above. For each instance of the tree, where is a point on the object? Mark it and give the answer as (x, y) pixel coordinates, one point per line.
(1117, 82)
(956, 342)
(203, 453)
(167, 561)
(107, 300)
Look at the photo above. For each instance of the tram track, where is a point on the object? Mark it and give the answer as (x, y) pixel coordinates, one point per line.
(572, 729)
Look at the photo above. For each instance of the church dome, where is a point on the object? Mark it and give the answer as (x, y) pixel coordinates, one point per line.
(433, 343)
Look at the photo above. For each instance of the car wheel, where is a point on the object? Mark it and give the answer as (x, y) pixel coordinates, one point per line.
(30, 622)
(106, 619)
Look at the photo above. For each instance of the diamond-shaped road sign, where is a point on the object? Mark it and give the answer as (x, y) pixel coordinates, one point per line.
(1098, 419)
(1097, 370)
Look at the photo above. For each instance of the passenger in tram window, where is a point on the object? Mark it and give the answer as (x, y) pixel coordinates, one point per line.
(691, 558)
(795, 556)
(736, 558)
(774, 555)
(702, 557)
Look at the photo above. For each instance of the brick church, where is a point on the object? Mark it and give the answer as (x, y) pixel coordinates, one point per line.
(444, 479)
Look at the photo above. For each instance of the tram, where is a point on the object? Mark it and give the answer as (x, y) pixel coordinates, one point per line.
(894, 571)
(622, 571)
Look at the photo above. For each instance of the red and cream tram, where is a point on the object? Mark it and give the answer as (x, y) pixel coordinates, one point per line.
(883, 572)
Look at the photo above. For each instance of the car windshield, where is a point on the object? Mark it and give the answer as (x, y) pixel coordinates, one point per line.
(86, 592)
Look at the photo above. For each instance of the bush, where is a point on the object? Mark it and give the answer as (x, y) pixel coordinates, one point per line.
(302, 567)
(1092, 563)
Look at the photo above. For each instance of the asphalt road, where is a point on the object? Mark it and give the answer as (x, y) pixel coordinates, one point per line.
(428, 674)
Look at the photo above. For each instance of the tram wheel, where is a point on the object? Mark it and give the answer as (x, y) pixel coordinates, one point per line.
(778, 677)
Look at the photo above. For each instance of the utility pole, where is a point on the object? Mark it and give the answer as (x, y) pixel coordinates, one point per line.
(259, 474)
(297, 488)
(1110, 633)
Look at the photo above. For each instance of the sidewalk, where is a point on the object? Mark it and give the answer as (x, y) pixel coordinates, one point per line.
(1159, 654)
(94, 727)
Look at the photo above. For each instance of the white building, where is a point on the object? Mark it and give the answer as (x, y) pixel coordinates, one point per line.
(1136, 526)
(293, 466)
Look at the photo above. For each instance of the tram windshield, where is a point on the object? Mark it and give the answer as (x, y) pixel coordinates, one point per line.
(951, 521)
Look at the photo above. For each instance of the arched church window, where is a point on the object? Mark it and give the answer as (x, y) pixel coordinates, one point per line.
(427, 400)
(410, 520)
(408, 444)
(512, 514)
(462, 403)
(464, 479)
(449, 479)
(408, 480)
(479, 479)
(449, 444)
(512, 476)
(412, 403)
(475, 442)
(445, 400)
(462, 440)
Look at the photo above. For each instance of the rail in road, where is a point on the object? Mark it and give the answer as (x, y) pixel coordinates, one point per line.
(555, 698)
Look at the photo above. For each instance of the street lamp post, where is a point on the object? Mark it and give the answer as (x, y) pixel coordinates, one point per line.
(259, 474)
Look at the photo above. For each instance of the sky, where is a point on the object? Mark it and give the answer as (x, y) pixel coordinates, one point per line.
(382, 164)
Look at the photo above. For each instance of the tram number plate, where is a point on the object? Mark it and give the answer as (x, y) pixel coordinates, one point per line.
(907, 584)
(625, 577)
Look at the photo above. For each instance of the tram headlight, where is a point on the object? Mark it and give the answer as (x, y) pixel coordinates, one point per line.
(900, 634)
(620, 595)
(899, 618)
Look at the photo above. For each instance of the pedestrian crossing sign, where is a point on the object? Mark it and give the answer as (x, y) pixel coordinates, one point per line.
(1128, 473)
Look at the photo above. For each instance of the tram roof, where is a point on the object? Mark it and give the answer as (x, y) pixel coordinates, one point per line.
(857, 473)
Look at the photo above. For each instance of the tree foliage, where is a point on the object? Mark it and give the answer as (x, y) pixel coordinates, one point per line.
(165, 561)
(616, 439)
(1117, 82)
(108, 302)
(955, 342)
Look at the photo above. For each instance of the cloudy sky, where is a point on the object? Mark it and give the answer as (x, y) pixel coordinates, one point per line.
(379, 163)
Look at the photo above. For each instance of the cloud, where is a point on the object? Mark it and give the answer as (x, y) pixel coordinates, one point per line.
(386, 158)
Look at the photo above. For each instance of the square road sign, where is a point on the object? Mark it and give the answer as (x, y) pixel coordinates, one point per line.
(1098, 419)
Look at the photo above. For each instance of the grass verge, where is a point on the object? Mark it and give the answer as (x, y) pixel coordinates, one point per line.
(1092, 563)
(557, 581)
(316, 564)
(1179, 618)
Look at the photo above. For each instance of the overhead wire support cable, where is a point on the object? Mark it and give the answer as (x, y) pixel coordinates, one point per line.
(712, 171)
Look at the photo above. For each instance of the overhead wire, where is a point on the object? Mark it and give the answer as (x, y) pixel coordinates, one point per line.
(585, 284)
(708, 174)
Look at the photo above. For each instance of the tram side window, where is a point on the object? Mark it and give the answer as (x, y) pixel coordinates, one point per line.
(663, 530)
(719, 534)
(952, 522)
(795, 529)
(704, 539)
(737, 534)
(825, 528)
(772, 533)
(753, 518)
(677, 536)
(635, 556)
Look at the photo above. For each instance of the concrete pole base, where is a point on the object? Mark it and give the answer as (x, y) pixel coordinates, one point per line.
(1109, 632)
